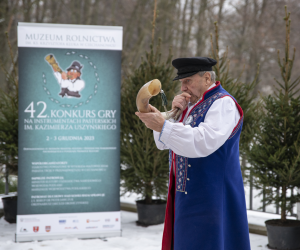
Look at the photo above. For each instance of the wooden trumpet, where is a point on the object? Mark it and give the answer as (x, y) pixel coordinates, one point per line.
(148, 90)
(51, 60)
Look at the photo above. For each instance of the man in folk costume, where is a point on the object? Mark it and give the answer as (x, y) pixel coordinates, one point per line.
(206, 207)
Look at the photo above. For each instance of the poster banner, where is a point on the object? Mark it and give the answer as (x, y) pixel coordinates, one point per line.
(69, 131)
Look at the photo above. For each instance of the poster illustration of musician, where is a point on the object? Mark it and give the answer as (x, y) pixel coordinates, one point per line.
(70, 81)
(69, 130)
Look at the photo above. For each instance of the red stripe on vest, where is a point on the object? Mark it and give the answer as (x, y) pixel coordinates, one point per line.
(168, 234)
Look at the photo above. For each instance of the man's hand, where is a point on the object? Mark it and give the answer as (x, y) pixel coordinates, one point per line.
(64, 75)
(181, 101)
(153, 120)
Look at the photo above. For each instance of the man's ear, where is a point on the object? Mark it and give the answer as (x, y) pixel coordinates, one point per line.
(207, 76)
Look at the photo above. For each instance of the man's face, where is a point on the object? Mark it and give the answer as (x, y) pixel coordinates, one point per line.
(73, 74)
(195, 85)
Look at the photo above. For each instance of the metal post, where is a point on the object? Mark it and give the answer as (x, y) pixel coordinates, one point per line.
(251, 191)
(264, 196)
(292, 206)
(6, 180)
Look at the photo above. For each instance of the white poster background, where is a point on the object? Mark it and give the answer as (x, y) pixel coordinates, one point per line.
(82, 225)
(69, 36)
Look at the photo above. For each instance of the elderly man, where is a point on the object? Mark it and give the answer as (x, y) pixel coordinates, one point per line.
(70, 82)
(206, 207)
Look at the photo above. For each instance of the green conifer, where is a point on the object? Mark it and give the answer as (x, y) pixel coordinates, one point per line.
(243, 93)
(144, 168)
(275, 154)
(9, 124)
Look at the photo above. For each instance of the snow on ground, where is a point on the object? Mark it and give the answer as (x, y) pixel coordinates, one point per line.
(254, 217)
(130, 198)
(133, 238)
(259, 218)
(258, 242)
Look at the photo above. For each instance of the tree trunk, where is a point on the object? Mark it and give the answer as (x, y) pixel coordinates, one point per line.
(148, 190)
(201, 32)
(190, 25)
(183, 34)
(221, 4)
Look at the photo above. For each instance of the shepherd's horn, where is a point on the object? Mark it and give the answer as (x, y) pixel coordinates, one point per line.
(148, 90)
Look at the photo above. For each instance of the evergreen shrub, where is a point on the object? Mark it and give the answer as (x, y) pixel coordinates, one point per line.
(144, 168)
(275, 154)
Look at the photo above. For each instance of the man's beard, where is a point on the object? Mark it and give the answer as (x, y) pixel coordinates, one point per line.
(194, 99)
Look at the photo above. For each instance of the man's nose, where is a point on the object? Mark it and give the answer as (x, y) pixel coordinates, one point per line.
(183, 87)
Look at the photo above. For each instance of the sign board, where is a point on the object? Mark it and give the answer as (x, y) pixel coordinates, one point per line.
(69, 131)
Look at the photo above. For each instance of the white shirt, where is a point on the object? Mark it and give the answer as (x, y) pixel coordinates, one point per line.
(73, 85)
(201, 141)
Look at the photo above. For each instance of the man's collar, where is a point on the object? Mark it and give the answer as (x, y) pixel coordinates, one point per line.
(211, 86)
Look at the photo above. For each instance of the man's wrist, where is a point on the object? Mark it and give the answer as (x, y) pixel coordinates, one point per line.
(161, 132)
(162, 125)
(166, 132)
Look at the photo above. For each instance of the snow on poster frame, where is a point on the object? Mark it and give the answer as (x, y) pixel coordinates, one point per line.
(69, 131)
